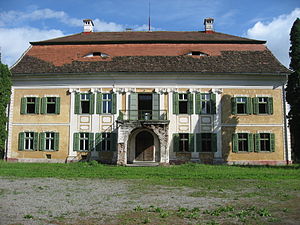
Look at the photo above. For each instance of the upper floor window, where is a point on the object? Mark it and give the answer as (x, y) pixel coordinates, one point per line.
(50, 105)
(106, 103)
(241, 105)
(183, 103)
(30, 105)
(263, 105)
(84, 103)
(205, 103)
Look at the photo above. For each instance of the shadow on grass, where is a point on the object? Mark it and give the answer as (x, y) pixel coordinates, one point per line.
(288, 167)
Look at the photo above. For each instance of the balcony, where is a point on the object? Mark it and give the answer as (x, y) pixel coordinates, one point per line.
(143, 115)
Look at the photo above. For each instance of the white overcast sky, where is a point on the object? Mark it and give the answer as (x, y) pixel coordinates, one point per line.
(22, 21)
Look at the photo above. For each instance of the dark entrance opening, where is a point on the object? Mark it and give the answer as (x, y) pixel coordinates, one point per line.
(145, 106)
(144, 146)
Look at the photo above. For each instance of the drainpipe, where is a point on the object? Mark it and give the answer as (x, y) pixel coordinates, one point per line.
(286, 141)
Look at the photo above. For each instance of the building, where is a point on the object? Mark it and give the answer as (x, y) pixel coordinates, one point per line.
(156, 96)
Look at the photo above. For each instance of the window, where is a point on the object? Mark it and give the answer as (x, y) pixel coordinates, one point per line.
(197, 53)
(84, 103)
(265, 142)
(106, 141)
(241, 105)
(183, 142)
(83, 142)
(263, 105)
(205, 103)
(50, 105)
(242, 142)
(183, 103)
(49, 141)
(206, 142)
(106, 103)
(30, 105)
(28, 141)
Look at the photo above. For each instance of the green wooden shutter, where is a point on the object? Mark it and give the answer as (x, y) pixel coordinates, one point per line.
(214, 142)
(21, 141)
(99, 103)
(57, 105)
(35, 141)
(133, 106)
(37, 105)
(249, 105)
(92, 103)
(213, 103)
(114, 103)
(233, 106)
(175, 103)
(250, 142)
(272, 142)
(56, 141)
(98, 141)
(191, 142)
(198, 103)
(155, 106)
(43, 105)
(198, 142)
(175, 142)
(235, 144)
(77, 103)
(91, 141)
(42, 141)
(270, 105)
(257, 142)
(255, 106)
(23, 105)
(190, 103)
(113, 144)
(76, 142)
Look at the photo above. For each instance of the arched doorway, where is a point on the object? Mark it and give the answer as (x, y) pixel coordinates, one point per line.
(144, 146)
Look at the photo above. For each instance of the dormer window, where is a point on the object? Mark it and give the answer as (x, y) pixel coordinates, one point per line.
(197, 53)
(95, 54)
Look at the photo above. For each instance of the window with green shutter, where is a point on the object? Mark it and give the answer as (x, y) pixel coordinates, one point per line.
(28, 141)
(30, 105)
(49, 141)
(205, 103)
(263, 105)
(183, 103)
(242, 142)
(84, 103)
(106, 141)
(241, 105)
(106, 103)
(265, 142)
(50, 105)
(83, 141)
(133, 106)
(206, 142)
(183, 142)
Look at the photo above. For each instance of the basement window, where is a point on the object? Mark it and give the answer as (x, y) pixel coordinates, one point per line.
(197, 53)
(96, 54)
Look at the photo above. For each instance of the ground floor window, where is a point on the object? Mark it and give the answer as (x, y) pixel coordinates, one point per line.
(28, 141)
(106, 141)
(242, 142)
(49, 141)
(183, 142)
(83, 141)
(265, 142)
(206, 142)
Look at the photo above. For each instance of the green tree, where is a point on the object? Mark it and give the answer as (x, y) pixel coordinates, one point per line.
(5, 91)
(293, 89)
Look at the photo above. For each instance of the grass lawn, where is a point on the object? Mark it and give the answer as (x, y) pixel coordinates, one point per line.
(251, 194)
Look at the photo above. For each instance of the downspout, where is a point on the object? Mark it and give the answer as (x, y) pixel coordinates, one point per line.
(286, 141)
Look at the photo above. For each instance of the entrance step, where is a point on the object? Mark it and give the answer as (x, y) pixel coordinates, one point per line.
(143, 164)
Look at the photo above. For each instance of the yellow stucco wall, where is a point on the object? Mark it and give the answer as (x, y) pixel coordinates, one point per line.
(228, 118)
(62, 153)
(228, 155)
(63, 117)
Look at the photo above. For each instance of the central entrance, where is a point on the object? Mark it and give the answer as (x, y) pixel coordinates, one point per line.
(144, 146)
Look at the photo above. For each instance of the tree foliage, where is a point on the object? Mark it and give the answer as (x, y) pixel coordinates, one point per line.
(293, 89)
(5, 91)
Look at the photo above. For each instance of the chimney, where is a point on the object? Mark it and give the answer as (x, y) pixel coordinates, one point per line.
(208, 25)
(88, 26)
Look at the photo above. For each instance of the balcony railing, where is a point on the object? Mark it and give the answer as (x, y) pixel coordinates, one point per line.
(151, 115)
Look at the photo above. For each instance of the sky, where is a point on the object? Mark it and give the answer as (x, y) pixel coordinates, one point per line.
(22, 21)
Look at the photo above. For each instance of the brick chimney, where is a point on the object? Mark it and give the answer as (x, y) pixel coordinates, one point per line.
(208, 25)
(88, 26)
